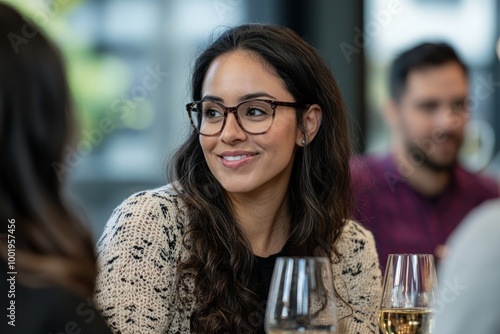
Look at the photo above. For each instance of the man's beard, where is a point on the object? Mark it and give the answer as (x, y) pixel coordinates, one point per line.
(424, 159)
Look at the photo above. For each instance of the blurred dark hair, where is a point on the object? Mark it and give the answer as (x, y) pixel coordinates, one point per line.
(36, 122)
(419, 57)
(319, 197)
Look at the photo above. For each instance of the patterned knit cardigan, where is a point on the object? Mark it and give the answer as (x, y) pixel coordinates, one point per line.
(142, 245)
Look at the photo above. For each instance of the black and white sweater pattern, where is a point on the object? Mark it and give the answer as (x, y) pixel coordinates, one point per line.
(141, 247)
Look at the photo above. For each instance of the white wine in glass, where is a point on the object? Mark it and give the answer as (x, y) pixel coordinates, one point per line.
(301, 297)
(410, 289)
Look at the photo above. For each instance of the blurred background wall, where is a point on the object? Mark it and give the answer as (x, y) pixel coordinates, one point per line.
(129, 63)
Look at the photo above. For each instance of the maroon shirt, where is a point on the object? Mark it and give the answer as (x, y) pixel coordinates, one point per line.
(401, 219)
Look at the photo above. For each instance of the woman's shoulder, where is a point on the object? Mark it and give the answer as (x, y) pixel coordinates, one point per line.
(355, 238)
(162, 196)
(138, 254)
(357, 251)
(164, 199)
(143, 213)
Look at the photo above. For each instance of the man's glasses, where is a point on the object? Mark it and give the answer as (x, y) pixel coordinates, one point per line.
(255, 117)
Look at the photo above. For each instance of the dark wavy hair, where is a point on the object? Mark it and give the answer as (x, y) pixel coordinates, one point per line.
(419, 57)
(220, 257)
(36, 122)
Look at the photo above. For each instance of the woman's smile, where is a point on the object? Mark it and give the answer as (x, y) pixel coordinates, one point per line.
(235, 159)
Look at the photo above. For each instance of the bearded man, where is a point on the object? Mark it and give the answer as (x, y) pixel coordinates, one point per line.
(413, 197)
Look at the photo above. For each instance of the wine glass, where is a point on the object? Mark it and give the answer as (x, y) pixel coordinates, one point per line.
(301, 297)
(410, 290)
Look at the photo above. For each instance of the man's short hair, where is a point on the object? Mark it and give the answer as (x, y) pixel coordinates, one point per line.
(421, 56)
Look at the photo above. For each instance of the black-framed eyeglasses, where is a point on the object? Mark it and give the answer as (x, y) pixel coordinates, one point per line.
(255, 117)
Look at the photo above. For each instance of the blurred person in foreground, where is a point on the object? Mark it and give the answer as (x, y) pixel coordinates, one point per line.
(413, 197)
(47, 259)
(469, 298)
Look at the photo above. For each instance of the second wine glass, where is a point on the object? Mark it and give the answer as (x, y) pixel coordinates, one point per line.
(410, 289)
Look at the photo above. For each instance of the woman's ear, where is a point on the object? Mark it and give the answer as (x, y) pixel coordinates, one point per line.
(312, 121)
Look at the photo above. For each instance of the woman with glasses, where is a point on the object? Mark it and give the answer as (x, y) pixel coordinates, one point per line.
(264, 173)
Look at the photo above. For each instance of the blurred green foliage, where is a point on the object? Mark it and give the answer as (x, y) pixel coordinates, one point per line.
(96, 79)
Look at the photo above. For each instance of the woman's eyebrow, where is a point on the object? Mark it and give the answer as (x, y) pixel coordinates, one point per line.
(241, 98)
(212, 98)
(255, 95)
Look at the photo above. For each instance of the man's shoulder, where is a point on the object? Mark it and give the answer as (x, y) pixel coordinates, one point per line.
(480, 184)
(368, 160)
(368, 171)
(375, 164)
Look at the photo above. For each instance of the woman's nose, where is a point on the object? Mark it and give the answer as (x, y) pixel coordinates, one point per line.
(232, 131)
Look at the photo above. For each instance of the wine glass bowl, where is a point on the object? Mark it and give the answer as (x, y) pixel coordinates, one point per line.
(301, 297)
(410, 290)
